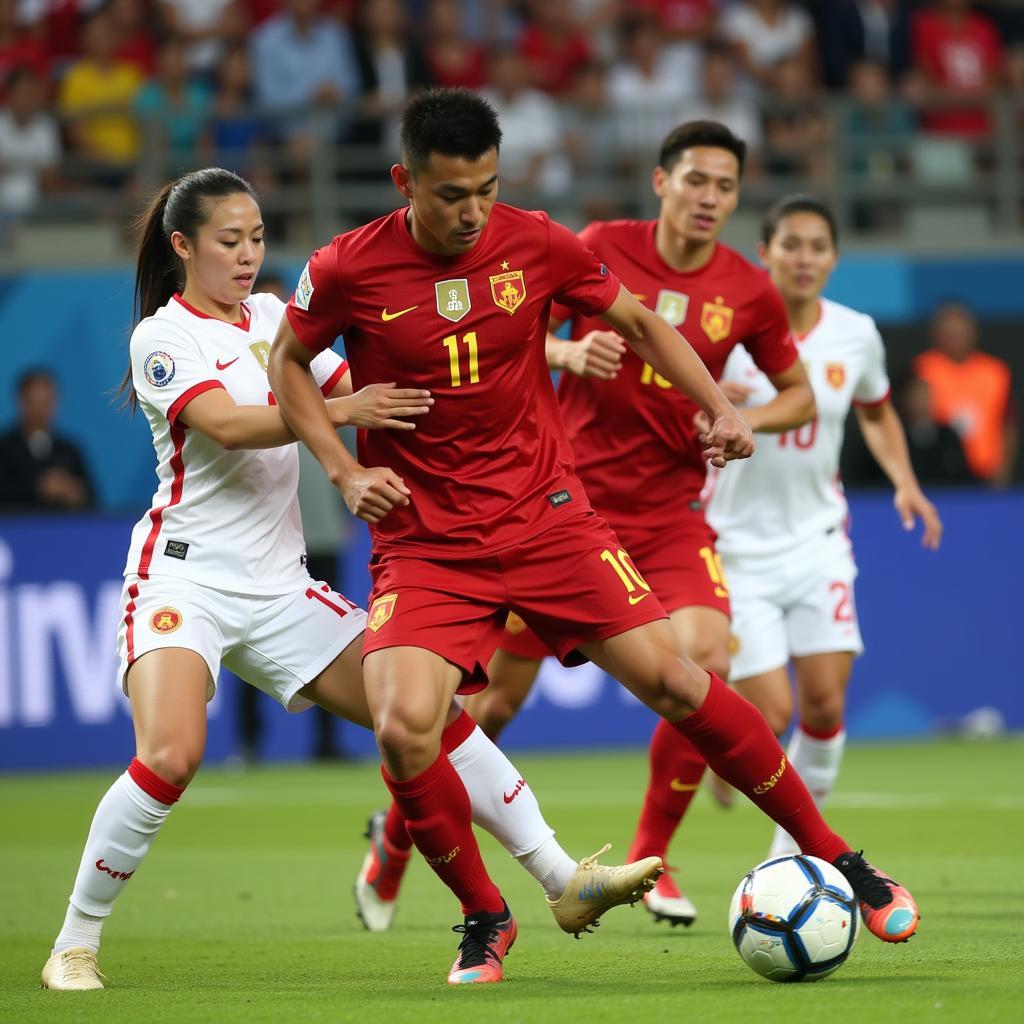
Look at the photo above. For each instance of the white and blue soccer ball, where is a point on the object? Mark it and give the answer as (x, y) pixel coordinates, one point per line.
(794, 919)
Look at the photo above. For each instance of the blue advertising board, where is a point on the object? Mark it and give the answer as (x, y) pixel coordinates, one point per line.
(938, 627)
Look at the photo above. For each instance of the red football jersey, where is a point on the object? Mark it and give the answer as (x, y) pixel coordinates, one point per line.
(633, 438)
(489, 466)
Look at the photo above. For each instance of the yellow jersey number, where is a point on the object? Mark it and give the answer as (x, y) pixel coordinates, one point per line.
(636, 586)
(455, 359)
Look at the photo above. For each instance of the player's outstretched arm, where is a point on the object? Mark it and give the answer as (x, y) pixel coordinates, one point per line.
(884, 435)
(377, 406)
(792, 406)
(596, 354)
(657, 343)
(369, 494)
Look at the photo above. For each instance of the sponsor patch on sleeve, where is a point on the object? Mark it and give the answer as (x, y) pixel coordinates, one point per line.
(304, 289)
(159, 369)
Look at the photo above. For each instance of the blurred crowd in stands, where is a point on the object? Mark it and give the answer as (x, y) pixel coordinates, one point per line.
(91, 87)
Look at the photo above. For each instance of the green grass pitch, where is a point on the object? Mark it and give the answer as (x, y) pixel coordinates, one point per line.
(243, 911)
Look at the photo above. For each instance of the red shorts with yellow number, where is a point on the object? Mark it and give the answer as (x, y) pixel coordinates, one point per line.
(679, 563)
(572, 585)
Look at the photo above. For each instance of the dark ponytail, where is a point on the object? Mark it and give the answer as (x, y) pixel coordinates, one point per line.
(179, 206)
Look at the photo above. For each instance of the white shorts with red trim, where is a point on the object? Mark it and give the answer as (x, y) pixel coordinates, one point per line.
(783, 608)
(277, 643)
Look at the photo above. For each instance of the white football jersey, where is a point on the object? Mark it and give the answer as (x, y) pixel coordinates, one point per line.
(225, 519)
(789, 492)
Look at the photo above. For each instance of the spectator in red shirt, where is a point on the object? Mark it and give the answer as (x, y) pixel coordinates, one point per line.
(451, 58)
(139, 46)
(959, 56)
(17, 47)
(554, 44)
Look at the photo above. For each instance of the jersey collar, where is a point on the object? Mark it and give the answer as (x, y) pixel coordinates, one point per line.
(242, 324)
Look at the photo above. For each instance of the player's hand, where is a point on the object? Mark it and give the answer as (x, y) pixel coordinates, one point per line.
(371, 494)
(736, 392)
(382, 407)
(597, 354)
(727, 438)
(912, 505)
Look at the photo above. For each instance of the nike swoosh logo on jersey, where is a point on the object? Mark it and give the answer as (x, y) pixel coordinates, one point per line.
(683, 787)
(224, 366)
(386, 316)
(639, 597)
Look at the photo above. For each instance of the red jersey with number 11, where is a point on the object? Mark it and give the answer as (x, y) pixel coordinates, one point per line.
(633, 437)
(489, 466)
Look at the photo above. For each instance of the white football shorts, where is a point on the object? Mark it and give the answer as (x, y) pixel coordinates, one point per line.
(792, 608)
(277, 643)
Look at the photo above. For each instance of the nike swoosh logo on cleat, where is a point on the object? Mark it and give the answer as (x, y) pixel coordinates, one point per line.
(386, 316)
(224, 366)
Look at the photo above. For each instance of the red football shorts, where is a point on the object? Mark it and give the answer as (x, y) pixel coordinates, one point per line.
(679, 562)
(573, 584)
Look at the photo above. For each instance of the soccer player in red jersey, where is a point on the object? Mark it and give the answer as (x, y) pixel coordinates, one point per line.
(480, 512)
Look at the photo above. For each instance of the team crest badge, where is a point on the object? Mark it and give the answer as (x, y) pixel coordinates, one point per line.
(514, 624)
(165, 620)
(304, 289)
(261, 353)
(716, 320)
(453, 298)
(672, 306)
(381, 610)
(835, 374)
(508, 290)
(159, 369)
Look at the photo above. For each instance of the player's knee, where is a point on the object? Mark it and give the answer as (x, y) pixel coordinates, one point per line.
(176, 763)
(824, 712)
(713, 659)
(680, 686)
(406, 745)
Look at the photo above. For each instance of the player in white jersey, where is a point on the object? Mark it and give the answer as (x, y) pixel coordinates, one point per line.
(781, 517)
(216, 569)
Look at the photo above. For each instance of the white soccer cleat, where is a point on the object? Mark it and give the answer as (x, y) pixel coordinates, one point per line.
(668, 903)
(596, 888)
(379, 878)
(71, 970)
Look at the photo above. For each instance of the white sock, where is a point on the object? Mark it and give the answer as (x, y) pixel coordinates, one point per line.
(504, 805)
(123, 828)
(817, 762)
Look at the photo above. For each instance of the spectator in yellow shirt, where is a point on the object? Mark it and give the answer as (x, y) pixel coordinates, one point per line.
(96, 95)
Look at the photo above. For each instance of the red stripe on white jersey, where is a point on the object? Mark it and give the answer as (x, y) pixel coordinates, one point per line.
(328, 385)
(129, 621)
(157, 514)
(876, 403)
(178, 405)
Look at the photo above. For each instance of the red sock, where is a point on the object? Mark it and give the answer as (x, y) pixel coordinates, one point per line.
(436, 809)
(676, 771)
(737, 743)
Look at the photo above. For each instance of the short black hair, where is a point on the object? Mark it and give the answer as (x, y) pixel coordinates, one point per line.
(452, 122)
(33, 375)
(798, 203)
(700, 133)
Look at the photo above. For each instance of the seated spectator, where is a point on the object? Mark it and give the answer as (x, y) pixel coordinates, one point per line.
(691, 21)
(391, 66)
(452, 59)
(878, 124)
(971, 392)
(236, 133)
(958, 57)
(96, 95)
(720, 100)
(299, 60)
(531, 156)
(764, 32)
(173, 109)
(29, 145)
(138, 45)
(797, 127)
(18, 48)
(207, 28)
(645, 89)
(40, 469)
(852, 31)
(554, 44)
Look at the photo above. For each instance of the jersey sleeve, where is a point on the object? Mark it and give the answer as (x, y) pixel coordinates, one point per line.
(873, 386)
(318, 311)
(771, 344)
(327, 369)
(581, 283)
(168, 369)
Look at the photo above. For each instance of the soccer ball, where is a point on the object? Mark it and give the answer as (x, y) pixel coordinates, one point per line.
(793, 919)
